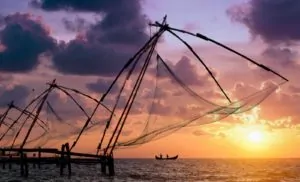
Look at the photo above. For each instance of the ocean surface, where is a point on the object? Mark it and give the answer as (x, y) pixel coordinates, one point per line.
(202, 170)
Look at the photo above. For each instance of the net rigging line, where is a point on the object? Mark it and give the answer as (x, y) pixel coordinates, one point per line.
(110, 87)
(120, 92)
(3, 116)
(23, 112)
(29, 115)
(44, 125)
(150, 44)
(132, 97)
(39, 109)
(203, 37)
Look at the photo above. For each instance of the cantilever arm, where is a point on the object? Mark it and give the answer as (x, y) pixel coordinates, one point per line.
(201, 36)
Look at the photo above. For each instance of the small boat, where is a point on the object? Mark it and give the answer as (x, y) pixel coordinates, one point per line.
(167, 158)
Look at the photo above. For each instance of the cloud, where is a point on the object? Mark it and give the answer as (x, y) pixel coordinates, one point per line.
(24, 39)
(107, 44)
(75, 5)
(272, 20)
(2, 22)
(77, 25)
(101, 86)
(18, 94)
(186, 72)
(294, 89)
(283, 56)
(278, 105)
(199, 133)
(65, 107)
(161, 108)
(191, 27)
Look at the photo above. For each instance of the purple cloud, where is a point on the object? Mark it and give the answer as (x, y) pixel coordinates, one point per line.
(23, 39)
(273, 20)
(107, 44)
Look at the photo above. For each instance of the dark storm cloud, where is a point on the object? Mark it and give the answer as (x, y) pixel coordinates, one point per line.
(18, 94)
(75, 5)
(108, 44)
(273, 20)
(24, 39)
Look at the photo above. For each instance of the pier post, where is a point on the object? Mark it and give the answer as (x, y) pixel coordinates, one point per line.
(111, 165)
(57, 160)
(3, 159)
(39, 158)
(22, 163)
(62, 160)
(34, 161)
(68, 159)
(3, 163)
(9, 161)
(25, 165)
(103, 161)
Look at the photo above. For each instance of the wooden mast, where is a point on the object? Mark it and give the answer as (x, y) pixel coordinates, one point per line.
(37, 113)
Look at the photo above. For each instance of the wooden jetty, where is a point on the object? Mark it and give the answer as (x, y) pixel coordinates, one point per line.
(62, 158)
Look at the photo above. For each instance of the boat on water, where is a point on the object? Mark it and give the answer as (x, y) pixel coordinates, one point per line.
(166, 158)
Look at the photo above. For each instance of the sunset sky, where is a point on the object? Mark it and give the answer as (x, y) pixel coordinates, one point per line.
(84, 45)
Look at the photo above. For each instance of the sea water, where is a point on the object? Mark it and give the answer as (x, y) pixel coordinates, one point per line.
(202, 170)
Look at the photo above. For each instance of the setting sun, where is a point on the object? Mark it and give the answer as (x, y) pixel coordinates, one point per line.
(254, 139)
(255, 136)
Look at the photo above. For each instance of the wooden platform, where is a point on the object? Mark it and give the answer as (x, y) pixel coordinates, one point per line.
(61, 158)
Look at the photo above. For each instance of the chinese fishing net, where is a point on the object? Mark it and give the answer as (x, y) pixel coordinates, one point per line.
(174, 95)
(62, 114)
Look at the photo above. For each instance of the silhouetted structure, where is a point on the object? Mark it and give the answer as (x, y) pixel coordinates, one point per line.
(134, 72)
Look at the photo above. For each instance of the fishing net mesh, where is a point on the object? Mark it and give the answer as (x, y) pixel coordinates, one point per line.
(167, 101)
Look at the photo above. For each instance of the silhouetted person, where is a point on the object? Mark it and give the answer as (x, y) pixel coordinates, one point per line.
(167, 156)
(160, 155)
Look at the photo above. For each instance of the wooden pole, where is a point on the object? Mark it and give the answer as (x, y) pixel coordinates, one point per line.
(9, 162)
(17, 119)
(111, 165)
(110, 87)
(103, 161)
(39, 158)
(3, 159)
(22, 163)
(68, 159)
(6, 112)
(25, 165)
(34, 161)
(62, 160)
(37, 114)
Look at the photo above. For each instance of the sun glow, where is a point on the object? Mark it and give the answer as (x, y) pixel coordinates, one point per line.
(252, 138)
(255, 136)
